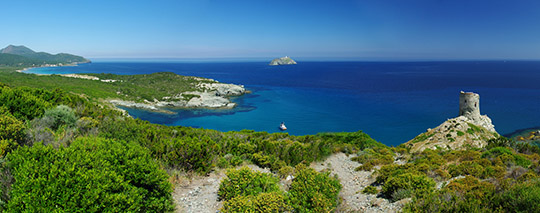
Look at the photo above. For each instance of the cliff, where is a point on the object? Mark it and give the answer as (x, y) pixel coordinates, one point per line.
(282, 61)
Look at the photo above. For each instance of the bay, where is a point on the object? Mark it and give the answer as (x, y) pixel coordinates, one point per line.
(391, 101)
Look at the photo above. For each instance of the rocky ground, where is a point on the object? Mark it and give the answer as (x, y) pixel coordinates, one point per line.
(211, 95)
(455, 134)
(199, 193)
(353, 182)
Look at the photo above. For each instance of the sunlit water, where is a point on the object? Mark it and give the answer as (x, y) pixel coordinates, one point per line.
(391, 101)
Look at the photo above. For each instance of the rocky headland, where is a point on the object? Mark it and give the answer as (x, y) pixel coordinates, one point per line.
(282, 61)
(205, 94)
(469, 129)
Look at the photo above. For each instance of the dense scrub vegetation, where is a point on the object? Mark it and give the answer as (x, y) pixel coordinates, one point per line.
(489, 179)
(54, 143)
(245, 190)
(94, 174)
(126, 87)
(69, 135)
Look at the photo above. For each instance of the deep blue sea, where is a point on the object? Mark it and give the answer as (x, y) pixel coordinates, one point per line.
(391, 101)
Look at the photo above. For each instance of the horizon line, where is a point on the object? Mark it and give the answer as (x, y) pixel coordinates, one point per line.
(305, 59)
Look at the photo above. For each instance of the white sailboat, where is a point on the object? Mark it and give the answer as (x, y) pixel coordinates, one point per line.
(282, 126)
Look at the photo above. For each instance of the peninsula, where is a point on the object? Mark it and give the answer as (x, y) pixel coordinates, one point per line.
(282, 61)
(154, 92)
(469, 129)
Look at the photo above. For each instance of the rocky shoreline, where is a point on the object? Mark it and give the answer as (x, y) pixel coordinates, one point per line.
(206, 93)
(210, 95)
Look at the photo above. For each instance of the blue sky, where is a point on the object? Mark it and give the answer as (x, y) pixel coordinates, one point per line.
(357, 30)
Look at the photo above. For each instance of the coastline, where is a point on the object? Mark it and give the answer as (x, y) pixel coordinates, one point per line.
(23, 70)
(205, 94)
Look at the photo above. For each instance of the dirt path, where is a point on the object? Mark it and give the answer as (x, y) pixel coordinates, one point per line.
(199, 194)
(353, 182)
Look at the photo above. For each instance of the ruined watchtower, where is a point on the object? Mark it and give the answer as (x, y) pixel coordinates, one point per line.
(469, 104)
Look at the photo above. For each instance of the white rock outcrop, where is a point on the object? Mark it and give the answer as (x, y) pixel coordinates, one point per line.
(469, 129)
(208, 95)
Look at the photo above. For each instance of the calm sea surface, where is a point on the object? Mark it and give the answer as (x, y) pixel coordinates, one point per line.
(391, 101)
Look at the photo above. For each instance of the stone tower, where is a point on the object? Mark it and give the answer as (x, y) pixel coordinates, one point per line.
(469, 105)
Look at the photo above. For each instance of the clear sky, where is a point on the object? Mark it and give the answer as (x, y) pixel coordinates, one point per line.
(340, 29)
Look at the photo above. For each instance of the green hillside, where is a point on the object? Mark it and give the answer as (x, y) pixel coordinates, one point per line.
(12, 60)
(28, 57)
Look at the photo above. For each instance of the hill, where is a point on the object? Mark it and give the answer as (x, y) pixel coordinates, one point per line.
(12, 60)
(28, 57)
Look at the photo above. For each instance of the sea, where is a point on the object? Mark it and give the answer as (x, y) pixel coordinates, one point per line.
(391, 101)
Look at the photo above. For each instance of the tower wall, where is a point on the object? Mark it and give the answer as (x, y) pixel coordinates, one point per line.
(469, 104)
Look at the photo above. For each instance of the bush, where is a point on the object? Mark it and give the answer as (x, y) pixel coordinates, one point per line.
(192, 154)
(61, 116)
(11, 132)
(507, 156)
(244, 182)
(370, 190)
(401, 194)
(419, 184)
(285, 171)
(524, 197)
(92, 175)
(22, 102)
(372, 157)
(312, 191)
(10, 127)
(264, 202)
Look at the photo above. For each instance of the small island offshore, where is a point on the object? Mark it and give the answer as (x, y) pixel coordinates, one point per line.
(282, 61)
(64, 146)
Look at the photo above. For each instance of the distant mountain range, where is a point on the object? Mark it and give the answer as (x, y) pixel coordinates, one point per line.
(23, 56)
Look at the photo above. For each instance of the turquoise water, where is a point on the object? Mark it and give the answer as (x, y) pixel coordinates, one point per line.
(391, 101)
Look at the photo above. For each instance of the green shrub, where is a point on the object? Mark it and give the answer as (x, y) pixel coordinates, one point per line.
(446, 201)
(390, 170)
(91, 175)
(524, 197)
(507, 156)
(11, 132)
(285, 171)
(471, 187)
(370, 190)
(236, 160)
(419, 184)
(263, 202)
(10, 127)
(468, 194)
(60, 116)
(373, 157)
(23, 102)
(222, 162)
(244, 182)
(312, 191)
(192, 154)
(401, 194)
